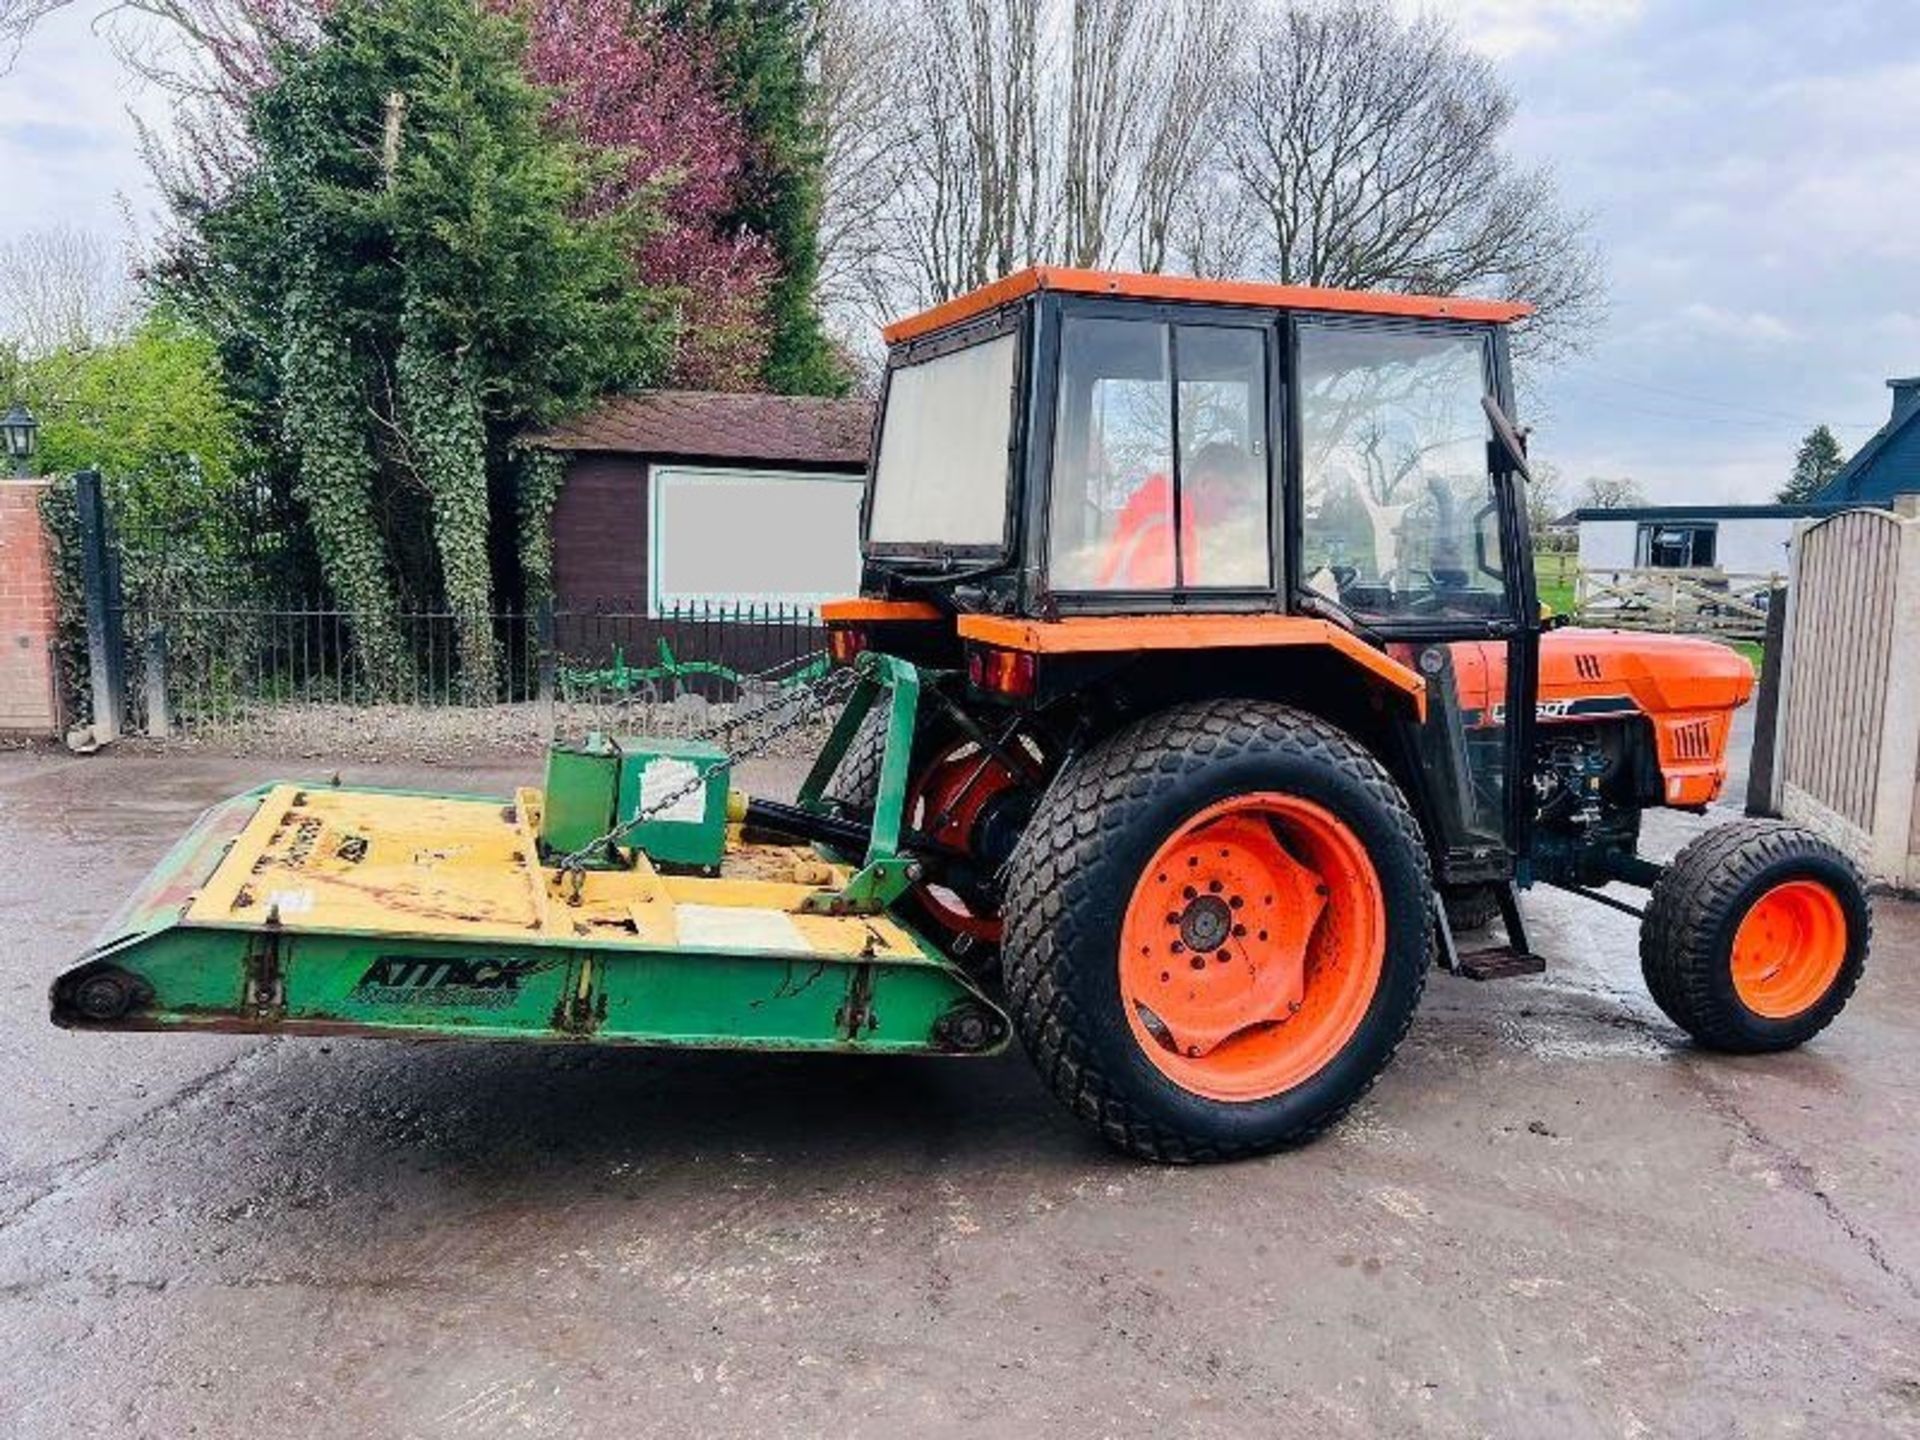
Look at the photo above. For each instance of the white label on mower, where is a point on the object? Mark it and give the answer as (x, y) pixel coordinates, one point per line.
(664, 776)
(735, 927)
(290, 902)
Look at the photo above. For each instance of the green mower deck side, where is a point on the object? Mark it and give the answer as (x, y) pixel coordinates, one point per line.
(320, 910)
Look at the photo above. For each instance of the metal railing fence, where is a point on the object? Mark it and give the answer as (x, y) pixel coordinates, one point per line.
(191, 667)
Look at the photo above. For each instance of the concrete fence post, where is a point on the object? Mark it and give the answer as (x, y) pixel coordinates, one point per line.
(1894, 778)
(1762, 794)
(159, 713)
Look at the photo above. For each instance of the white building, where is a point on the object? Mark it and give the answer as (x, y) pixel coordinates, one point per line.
(1733, 539)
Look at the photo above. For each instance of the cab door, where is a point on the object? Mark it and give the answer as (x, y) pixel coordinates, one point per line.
(1410, 525)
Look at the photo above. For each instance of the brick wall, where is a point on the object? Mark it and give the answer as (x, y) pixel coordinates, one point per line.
(27, 696)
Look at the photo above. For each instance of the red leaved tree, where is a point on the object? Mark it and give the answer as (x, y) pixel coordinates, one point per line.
(644, 95)
(625, 83)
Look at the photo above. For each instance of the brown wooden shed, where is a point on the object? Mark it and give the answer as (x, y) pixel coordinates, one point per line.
(676, 497)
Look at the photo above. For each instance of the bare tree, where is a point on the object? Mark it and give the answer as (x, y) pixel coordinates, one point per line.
(860, 55)
(61, 288)
(1214, 230)
(208, 57)
(1618, 492)
(967, 138)
(1374, 149)
(1113, 49)
(1178, 134)
(1545, 501)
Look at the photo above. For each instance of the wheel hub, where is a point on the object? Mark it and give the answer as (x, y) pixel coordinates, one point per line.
(1206, 923)
(970, 803)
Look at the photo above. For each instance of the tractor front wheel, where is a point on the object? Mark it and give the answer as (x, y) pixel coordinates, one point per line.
(1217, 930)
(1755, 936)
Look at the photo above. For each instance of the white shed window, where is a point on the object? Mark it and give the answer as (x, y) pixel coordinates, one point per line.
(753, 538)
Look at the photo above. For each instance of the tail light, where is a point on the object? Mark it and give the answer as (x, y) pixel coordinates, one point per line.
(845, 645)
(1006, 672)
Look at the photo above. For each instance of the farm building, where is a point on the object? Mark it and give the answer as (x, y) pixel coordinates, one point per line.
(678, 498)
(1889, 463)
(1754, 539)
(1735, 539)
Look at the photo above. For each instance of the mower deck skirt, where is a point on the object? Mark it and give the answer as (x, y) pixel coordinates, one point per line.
(322, 910)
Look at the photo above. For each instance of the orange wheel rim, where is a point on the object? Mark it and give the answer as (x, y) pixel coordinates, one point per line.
(945, 803)
(1789, 949)
(1252, 947)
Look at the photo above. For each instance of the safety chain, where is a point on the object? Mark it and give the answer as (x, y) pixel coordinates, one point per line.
(807, 702)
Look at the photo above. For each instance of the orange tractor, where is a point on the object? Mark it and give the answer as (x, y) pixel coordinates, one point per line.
(1250, 709)
(1218, 706)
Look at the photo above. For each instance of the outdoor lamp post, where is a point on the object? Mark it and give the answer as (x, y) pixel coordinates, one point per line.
(21, 434)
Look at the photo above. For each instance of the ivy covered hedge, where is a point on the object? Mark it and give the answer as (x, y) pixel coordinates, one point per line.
(404, 282)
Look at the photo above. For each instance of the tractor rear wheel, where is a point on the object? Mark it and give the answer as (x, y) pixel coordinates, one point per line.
(1217, 930)
(1756, 936)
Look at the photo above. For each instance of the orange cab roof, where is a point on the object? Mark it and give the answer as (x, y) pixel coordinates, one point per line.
(1181, 287)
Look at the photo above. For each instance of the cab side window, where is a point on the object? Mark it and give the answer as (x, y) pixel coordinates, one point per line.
(1161, 462)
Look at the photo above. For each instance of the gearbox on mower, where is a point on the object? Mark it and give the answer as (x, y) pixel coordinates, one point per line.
(1196, 701)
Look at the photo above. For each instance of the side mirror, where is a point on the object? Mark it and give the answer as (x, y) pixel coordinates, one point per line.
(1508, 448)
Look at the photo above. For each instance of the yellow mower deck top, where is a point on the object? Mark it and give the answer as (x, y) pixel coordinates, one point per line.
(372, 863)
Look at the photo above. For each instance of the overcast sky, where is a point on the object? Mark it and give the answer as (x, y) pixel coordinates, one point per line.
(1752, 167)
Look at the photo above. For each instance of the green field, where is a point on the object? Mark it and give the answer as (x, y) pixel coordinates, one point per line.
(1553, 577)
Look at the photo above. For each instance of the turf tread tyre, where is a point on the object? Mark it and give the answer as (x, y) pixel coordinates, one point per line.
(1696, 906)
(1470, 907)
(856, 783)
(1058, 908)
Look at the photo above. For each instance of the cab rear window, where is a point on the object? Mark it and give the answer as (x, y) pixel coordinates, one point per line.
(944, 470)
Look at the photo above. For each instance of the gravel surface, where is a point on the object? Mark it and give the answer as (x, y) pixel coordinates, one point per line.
(442, 735)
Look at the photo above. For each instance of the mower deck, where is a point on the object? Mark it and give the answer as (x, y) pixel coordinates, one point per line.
(319, 909)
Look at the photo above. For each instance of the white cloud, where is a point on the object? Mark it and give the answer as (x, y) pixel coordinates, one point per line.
(1746, 327)
(68, 146)
(1506, 28)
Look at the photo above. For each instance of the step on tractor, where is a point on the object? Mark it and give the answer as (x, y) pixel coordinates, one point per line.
(1195, 704)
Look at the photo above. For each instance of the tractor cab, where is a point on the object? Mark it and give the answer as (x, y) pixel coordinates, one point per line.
(1187, 473)
(1070, 443)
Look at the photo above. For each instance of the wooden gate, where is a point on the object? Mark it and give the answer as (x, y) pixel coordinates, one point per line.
(1848, 737)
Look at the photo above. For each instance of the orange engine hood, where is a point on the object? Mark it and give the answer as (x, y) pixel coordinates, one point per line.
(1659, 674)
(1687, 687)
(1662, 673)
